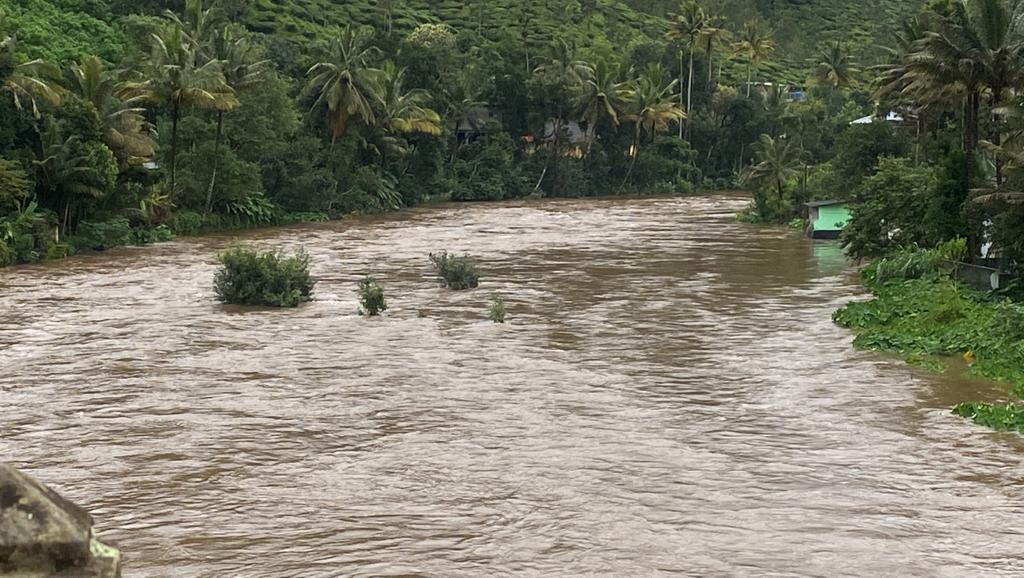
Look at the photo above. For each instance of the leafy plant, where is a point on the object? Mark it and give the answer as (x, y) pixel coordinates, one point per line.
(916, 263)
(935, 316)
(59, 251)
(371, 297)
(998, 416)
(456, 273)
(497, 311)
(150, 235)
(7, 256)
(103, 235)
(271, 278)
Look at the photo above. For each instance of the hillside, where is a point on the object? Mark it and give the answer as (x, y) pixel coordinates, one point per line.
(59, 29)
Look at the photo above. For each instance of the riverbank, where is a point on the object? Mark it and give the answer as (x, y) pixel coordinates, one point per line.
(920, 312)
(94, 237)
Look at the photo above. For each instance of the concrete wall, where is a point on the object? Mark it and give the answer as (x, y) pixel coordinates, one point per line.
(831, 218)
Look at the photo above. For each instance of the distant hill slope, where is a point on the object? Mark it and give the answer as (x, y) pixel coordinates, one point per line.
(608, 26)
(59, 29)
(801, 26)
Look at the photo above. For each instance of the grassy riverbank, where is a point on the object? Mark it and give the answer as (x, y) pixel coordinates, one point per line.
(920, 312)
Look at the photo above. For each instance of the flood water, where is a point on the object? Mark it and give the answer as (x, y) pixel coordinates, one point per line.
(669, 397)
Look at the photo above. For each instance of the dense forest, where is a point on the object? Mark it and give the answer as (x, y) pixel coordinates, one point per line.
(129, 122)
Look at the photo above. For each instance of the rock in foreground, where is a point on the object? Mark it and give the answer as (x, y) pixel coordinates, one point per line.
(44, 535)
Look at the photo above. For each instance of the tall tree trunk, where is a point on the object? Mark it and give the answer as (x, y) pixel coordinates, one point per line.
(996, 135)
(175, 115)
(632, 163)
(711, 63)
(689, 95)
(917, 142)
(551, 158)
(970, 132)
(67, 218)
(750, 70)
(680, 91)
(216, 161)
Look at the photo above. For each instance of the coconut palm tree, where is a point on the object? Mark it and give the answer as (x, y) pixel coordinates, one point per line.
(122, 122)
(650, 107)
(402, 111)
(242, 68)
(26, 82)
(344, 82)
(977, 47)
(835, 66)
(685, 28)
(778, 160)
(388, 7)
(66, 172)
(714, 31)
(171, 77)
(775, 102)
(756, 45)
(200, 26)
(462, 103)
(901, 81)
(602, 97)
(565, 73)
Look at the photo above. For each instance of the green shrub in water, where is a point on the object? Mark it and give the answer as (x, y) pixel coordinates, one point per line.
(7, 256)
(998, 416)
(456, 273)
(187, 223)
(916, 263)
(150, 235)
(936, 316)
(497, 311)
(59, 251)
(103, 235)
(371, 297)
(271, 278)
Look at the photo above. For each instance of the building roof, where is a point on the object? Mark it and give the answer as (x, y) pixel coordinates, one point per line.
(890, 117)
(824, 203)
(572, 130)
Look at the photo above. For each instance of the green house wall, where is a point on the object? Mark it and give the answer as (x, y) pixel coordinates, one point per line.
(832, 218)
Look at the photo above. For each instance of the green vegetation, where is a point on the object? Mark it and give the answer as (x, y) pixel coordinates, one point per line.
(939, 184)
(919, 311)
(371, 297)
(458, 273)
(250, 277)
(188, 116)
(497, 312)
(998, 416)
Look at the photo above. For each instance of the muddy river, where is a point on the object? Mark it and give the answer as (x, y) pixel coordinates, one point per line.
(669, 397)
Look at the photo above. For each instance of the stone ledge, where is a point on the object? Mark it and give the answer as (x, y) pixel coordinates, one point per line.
(42, 535)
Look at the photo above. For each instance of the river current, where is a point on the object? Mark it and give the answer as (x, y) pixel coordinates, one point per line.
(669, 397)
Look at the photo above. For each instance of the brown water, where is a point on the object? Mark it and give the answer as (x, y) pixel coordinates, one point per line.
(670, 397)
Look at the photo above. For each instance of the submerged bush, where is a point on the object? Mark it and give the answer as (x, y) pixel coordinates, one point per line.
(916, 263)
(187, 223)
(455, 272)
(103, 235)
(497, 311)
(150, 235)
(937, 316)
(59, 251)
(998, 416)
(7, 255)
(271, 278)
(371, 297)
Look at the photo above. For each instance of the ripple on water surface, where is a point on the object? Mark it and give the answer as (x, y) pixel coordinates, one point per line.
(670, 396)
